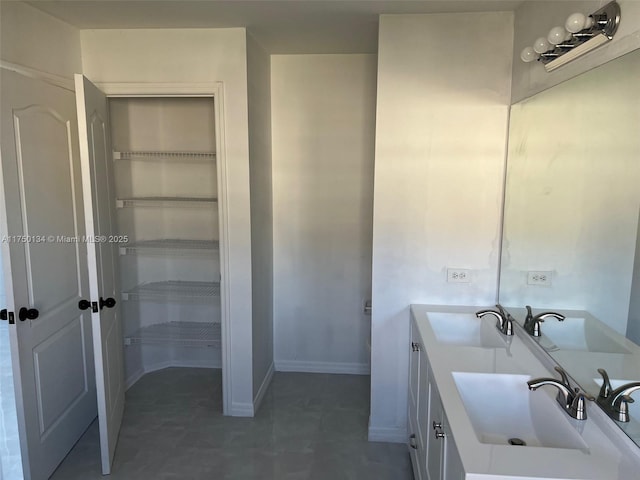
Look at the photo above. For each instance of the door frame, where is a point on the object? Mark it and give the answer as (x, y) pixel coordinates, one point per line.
(215, 91)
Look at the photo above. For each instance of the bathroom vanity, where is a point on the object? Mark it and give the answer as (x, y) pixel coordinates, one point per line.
(471, 414)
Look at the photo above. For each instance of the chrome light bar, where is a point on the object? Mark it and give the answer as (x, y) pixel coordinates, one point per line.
(580, 35)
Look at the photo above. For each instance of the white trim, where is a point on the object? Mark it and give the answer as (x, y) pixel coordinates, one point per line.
(137, 89)
(241, 410)
(322, 367)
(50, 78)
(216, 91)
(266, 381)
(133, 379)
(225, 254)
(388, 434)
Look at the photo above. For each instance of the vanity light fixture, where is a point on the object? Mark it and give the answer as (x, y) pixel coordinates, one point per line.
(580, 35)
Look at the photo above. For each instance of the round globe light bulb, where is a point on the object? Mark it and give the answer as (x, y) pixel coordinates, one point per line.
(541, 45)
(588, 23)
(557, 35)
(528, 55)
(576, 22)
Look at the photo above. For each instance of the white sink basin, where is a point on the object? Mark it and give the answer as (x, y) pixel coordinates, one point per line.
(501, 407)
(575, 333)
(465, 329)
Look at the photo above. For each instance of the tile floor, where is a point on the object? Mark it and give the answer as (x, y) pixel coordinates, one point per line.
(310, 426)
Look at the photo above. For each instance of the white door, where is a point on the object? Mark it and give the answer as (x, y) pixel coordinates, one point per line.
(45, 270)
(97, 178)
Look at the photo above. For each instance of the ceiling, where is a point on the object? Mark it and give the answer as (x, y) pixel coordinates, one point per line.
(281, 26)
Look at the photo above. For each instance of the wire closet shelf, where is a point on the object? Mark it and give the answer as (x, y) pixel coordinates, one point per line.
(171, 247)
(159, 156)
(174, 291)
(183, 334)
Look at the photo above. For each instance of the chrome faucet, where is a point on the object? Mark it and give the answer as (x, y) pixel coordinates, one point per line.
(532, 324)
(616, 402)
(571, 400)
(505, 321)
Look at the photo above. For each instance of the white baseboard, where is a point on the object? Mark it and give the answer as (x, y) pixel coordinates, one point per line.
(388, 434)
(241, 409)
(134, 377)
(322, 367)
(266, 381)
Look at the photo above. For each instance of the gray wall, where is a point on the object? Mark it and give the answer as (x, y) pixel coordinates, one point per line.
(323, 158)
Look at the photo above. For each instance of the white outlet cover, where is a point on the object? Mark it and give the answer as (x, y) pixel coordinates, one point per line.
(458, 275)
(539, 277)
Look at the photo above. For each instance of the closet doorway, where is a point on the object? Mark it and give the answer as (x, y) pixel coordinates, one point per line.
(168, 174)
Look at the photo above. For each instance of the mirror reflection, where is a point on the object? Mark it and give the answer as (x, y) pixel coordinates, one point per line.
(571, 240)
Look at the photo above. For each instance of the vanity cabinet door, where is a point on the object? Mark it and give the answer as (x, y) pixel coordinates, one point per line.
(435, 442)
(433, 452)
(452, 468)
(417, 390)
(422, 422)
(414, 364)
(416, 451)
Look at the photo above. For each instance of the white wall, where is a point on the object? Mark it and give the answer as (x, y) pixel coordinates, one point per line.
(442, 114)
(198, 55)
(534, 19)
(31, 38)
(323, 118)
(259, 93)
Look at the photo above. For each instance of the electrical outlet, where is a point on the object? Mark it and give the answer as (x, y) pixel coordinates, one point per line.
(458, 275)
(539, 278)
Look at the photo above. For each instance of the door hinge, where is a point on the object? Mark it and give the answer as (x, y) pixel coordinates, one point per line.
(6, 315)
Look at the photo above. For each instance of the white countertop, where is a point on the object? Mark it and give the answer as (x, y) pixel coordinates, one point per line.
(610, 454)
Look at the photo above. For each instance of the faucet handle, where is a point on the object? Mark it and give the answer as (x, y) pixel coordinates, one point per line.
(506, 326)
(578, 405)
(605, 389)
(622, 408)
(563, 376)
(529, 316)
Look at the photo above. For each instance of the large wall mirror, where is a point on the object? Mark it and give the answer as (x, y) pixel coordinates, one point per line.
(571, 238)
